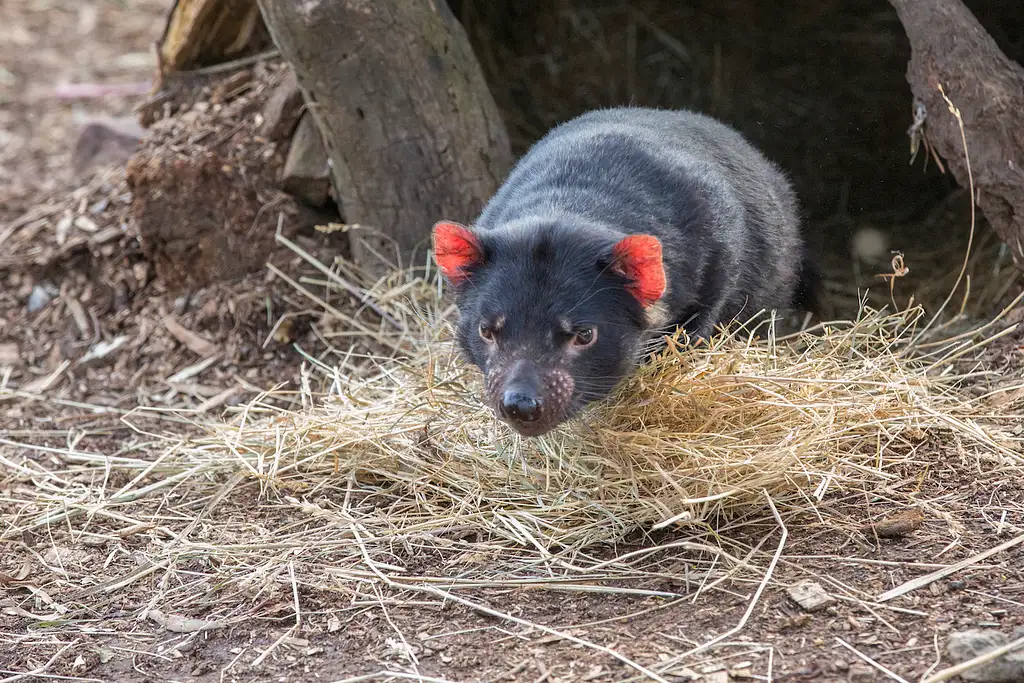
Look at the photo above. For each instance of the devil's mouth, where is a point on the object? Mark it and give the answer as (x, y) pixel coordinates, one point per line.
(530, 429)
(539, 427)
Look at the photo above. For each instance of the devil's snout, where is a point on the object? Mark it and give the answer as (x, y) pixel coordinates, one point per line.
(519, 396)
(520, 403)
(530, 397)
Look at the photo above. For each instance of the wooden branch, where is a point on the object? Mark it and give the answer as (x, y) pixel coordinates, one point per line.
(949, 47)
(412, 131)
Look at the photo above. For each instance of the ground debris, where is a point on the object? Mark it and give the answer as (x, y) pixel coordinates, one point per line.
(205, 186)
(900, 524)
(10, 354)
(179, 624)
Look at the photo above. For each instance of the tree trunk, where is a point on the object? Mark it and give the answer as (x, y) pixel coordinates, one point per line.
(949, 47)
(412, 131)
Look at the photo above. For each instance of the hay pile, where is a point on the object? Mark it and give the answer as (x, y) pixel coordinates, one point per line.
(396, 475)
(693, 435)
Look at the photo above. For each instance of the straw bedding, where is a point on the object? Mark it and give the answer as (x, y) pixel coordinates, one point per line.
(694, 434)
(394, 467)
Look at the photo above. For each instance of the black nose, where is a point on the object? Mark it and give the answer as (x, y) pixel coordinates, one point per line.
(519, 406)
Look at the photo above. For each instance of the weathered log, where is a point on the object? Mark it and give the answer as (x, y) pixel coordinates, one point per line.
(412, 131)
(949, 47)
(204, 32)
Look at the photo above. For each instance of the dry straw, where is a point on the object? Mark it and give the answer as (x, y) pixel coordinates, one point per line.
(695, 434)
(396, 474)
(387, 471)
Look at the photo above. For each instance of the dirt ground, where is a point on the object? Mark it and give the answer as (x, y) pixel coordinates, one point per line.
(73, 287)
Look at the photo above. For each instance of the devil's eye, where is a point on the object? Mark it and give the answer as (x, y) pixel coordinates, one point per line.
(584, 337)
(486, 332)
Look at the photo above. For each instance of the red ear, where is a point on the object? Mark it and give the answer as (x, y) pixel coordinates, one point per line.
(638, 258)
(456, 250)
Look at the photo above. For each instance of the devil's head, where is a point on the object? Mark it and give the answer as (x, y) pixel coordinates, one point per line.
(553, 314)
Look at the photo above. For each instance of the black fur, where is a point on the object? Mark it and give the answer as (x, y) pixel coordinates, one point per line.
(726, 217)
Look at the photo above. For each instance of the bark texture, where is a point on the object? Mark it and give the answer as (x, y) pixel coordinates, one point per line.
(411, 129)
(950, 47)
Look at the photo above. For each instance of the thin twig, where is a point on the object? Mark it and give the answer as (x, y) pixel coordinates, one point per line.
(872, 662)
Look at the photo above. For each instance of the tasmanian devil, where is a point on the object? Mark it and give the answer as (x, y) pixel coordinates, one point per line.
(615, 228)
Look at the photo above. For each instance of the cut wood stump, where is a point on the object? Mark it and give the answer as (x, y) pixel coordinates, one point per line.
(205, 32)
(410, 126)
(951, 49)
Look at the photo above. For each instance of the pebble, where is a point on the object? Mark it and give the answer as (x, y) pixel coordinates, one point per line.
(41, 295)
(862, 674)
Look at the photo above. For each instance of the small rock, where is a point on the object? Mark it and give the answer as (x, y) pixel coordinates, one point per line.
(41, 295)
(957, 584)
(87, 224)
(201, 669)
(896, 525)
(306, 174)
(841, 665)
(861, 673)
(105, 142)
(282, 109)
(965, 645)
(106, 235)
(809, 595)
(62, 228)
